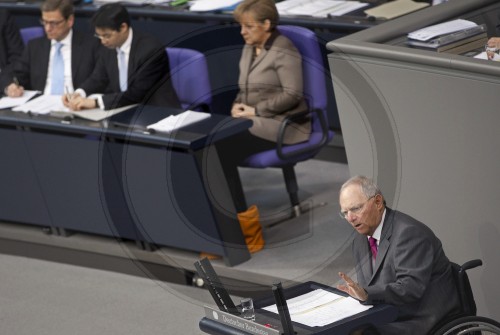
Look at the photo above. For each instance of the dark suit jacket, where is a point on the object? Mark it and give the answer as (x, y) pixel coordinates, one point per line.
(411, 271)
(272, 83)
(148, 76)
(11, 44)
(31, 70)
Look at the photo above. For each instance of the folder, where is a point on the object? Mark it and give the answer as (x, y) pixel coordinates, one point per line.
(395, 8)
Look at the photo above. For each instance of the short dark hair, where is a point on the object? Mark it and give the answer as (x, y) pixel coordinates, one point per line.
(111, 16)
(64, 6)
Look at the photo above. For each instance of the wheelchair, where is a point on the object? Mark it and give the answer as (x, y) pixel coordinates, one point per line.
(467, 322)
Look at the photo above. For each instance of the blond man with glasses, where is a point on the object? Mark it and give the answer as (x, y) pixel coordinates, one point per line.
(58, 62)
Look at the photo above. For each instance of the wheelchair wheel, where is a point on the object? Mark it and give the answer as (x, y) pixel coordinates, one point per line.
(470, 325)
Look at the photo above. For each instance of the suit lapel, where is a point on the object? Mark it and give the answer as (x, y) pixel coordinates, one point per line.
(385, 242)
(76, 53)
(44, 59)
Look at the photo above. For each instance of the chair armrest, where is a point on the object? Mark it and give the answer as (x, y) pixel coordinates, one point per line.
(289, 119)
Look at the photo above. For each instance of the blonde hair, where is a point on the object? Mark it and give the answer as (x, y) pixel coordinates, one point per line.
(261, 11)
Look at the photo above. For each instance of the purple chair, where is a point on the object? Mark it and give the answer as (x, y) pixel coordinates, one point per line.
(287, 156)
(30, 33)
(190, 78)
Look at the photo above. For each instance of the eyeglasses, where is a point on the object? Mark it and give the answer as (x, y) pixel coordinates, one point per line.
(106, 36)
(51, 24)
(355, 210)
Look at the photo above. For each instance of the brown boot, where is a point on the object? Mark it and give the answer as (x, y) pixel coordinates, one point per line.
(251, 228)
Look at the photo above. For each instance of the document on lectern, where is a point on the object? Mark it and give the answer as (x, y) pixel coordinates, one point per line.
(320, 307)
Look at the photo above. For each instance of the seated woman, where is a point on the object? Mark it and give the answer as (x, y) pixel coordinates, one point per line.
(270, 84)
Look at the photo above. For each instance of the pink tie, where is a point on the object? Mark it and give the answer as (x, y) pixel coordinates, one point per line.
(373, 246)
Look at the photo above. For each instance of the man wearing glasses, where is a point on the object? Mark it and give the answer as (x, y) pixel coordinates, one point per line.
(133, 66)
(399, 261)
(60, 61)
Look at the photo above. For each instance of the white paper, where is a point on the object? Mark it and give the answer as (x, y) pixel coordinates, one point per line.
(98, 114)
(44, 104)
(348, 7)
(320, 307)
(209, 5)
(449, 27)
(8, 102)
(174, 122)
(318, 8)
(483, 55)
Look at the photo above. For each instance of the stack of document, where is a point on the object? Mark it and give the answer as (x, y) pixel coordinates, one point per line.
(174, 122)
(318, 8)
(319, 308)
(457, 36)
(213, 5)
(44, 104)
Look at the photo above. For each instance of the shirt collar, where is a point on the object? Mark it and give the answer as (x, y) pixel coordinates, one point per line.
(378, 232)
(125, 47)
(270, 40)
(65, 41)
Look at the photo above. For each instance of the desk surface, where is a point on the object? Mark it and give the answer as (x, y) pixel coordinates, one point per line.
(193, 137)
(378, 314)
(355, 21)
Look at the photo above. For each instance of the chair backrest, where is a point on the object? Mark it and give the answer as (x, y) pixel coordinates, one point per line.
(30, 33)
(313, 69)
(464, 288)
(190, 78)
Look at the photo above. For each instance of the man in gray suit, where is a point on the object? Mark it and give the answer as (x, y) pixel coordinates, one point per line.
(399, 261)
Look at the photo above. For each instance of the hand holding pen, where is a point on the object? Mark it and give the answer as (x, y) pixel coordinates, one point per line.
(69, 99)
(14, 90)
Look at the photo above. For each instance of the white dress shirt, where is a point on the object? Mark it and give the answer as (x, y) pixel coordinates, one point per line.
(66, 53)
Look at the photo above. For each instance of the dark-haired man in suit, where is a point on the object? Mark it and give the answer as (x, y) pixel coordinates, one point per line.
(61, 60)
(133, 66)
(399, 261)
(11, 44)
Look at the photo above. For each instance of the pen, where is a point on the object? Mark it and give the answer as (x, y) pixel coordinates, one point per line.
(16, 82)
(70, 96)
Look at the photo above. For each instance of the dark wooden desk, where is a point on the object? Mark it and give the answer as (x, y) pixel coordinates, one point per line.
(379, 314)
(97, 178)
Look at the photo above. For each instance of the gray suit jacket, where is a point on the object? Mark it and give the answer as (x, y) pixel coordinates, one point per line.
(272, 83)
(411, 271)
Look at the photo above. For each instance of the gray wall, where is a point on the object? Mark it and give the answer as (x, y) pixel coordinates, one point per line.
(425, 126)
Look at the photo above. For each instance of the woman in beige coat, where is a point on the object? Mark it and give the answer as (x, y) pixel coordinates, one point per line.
(270, 84)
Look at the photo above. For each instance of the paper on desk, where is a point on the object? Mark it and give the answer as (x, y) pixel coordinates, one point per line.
(210, 5)
(347, 7)
(44, 104)
(449, 27)
(174, 122)
(395, 8)
(317, 8)
(98, 114)
(483, 55)
(8, 102)
(320, 307)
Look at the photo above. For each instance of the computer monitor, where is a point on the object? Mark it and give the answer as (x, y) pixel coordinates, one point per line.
(215, 286)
